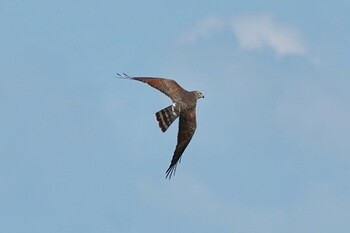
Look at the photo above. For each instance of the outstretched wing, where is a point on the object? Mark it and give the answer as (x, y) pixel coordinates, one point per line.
(187, 127)
(168, 86)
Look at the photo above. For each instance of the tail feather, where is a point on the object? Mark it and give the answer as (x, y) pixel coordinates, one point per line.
(166, 117)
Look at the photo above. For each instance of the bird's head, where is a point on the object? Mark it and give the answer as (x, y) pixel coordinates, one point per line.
(198, 94)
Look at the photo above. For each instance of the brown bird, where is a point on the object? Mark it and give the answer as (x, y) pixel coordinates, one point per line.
(184, 107)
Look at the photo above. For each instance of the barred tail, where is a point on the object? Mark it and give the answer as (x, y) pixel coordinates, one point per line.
(165, 117)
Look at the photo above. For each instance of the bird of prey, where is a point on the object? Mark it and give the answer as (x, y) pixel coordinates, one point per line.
(184, 107)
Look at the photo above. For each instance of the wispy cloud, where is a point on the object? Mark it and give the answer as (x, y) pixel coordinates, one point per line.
(264, 31)
(253, 32)
(202, 29)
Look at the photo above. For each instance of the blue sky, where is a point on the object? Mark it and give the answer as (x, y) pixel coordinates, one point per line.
(80, 151)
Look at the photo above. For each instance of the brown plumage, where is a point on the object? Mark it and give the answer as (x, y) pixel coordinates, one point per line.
(184, 107)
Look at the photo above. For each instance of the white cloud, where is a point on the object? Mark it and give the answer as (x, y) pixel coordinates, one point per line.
(202, 29)
(253, 32)
(260, 31)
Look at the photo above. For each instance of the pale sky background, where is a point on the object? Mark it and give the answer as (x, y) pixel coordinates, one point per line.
(81, 151)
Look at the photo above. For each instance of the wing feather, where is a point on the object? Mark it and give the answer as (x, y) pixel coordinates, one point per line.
(187, 127)
(168, 86)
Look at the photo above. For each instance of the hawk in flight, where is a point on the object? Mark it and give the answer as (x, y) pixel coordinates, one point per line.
(184, 107)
